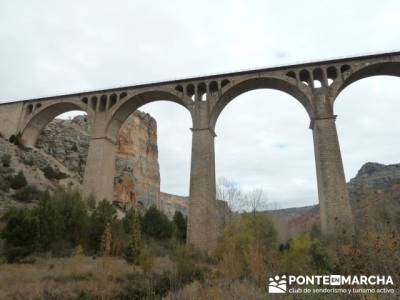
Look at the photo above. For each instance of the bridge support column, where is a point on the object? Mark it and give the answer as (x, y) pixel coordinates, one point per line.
(335, 211)
(203, 230)
(100, 169)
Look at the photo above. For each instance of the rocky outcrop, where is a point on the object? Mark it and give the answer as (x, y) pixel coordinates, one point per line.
(375, 175)
(172, 203)
(374, 199)
(68, 142)
(33, 164)
(137, 180)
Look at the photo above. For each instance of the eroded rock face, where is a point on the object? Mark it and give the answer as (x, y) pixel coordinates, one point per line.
(68, 142)
(137, 180)
(138, 173)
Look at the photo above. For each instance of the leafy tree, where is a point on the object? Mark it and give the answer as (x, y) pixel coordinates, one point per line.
(156, 224)
(20, 233)
(74, 216)
(103, 214)
(180, 223)
(132, 252)
(50, 222)
(247, 243)
(18, 181)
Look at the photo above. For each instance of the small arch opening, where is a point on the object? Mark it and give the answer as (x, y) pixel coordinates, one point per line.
(179, 88)
(113, 100)
(93, 102)
(291, 74)
(202, 90)
(38, 105)
(318, 77)
(225, 82)
(29, 109)
(103, 103)
(331, 73)
(344, 68)
(122, 95)
(85, 100)
(305, 77)
(213, 87)
(190, 91)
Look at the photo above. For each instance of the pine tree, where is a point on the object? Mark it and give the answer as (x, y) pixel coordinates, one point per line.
(105, 247)
(132, 252)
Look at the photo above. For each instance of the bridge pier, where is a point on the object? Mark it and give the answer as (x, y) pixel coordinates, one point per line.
(203, 219)
(335, 211)
(100, 169)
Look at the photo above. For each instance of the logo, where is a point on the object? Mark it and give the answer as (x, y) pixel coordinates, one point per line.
(277, 285)
(326, 284)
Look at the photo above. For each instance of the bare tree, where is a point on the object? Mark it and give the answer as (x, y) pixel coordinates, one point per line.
(238, 200)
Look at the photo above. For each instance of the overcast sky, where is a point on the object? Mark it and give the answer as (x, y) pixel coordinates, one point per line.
(52, 47)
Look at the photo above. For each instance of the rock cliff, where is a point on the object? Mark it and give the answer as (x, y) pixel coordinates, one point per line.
(137, 180)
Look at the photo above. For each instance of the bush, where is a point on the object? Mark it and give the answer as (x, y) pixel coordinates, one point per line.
(51, 174)
(6, 160)
(104, 213)
(18, 181)
(27, 194)
(133, 251)
(180, 223)
(156, 224)
(20, 233)
(146, 260)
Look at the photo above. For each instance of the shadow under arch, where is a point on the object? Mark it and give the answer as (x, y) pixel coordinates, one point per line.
(38, 122)
(254, 84)
(129, 106)
(376, 69)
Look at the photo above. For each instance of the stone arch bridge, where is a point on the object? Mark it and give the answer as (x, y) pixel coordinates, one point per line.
(315, 85)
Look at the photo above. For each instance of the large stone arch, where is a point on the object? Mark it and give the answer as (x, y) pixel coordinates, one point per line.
(233, 91)
(41, 117)
(121, 112)
(389, 68)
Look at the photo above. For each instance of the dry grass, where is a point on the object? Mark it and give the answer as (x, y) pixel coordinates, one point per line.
(68, 278)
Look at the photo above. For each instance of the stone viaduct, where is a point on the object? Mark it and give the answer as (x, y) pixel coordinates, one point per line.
(315, 85)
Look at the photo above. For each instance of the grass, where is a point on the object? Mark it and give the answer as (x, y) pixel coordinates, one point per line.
(66, 278)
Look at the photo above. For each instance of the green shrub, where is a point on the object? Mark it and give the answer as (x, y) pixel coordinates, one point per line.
(18, 181)
(180, 223)
(51, 174)
(6, 160)
(27, 194)
(155, 224)
(20, 233)
(104, 213)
